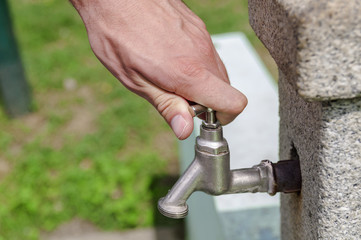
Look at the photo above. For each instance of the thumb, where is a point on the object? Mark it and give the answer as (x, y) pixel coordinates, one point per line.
(173, 108)
(213, 92)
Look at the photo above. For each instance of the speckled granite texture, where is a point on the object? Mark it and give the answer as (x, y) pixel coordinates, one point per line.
(314, 40)
(317, 46)
(327, 138)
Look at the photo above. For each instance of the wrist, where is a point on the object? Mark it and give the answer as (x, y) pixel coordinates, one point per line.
(106, 11)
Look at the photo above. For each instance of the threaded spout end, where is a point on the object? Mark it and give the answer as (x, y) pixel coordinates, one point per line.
(172, 211)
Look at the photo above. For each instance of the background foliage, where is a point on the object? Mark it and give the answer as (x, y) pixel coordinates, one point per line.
(91, 149)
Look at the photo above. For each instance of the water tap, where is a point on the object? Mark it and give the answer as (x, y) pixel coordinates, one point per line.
(210, 171)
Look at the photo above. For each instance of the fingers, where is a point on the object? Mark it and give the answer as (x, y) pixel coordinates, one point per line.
(199, 85)
(223, 98)
(174, 109)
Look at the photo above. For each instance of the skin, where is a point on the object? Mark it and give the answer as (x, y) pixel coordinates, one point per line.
(161, 50)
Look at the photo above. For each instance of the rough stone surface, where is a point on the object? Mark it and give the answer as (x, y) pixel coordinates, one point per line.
(326, 136)
(317, 41)
(316, 45)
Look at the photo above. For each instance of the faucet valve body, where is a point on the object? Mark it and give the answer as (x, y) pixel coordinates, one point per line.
(210, 172)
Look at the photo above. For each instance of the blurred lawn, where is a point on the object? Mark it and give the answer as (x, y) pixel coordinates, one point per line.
(91, 149)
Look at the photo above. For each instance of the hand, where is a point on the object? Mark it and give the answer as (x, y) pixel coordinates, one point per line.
(161, 50)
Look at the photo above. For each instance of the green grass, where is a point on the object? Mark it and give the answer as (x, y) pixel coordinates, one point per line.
(223, 16)
(104, 172)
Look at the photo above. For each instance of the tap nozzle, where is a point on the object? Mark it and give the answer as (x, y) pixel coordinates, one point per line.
(210, 172)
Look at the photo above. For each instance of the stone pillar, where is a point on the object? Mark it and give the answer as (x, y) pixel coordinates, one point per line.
(317, 47)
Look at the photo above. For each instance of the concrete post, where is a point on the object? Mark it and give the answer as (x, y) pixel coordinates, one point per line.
(317, 46)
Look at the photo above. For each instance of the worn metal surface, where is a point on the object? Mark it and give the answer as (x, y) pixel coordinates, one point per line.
(210, 172)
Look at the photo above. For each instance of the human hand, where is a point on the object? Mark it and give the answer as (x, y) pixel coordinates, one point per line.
(161, 50)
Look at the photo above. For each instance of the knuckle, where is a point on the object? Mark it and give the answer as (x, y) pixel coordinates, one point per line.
(189, 68)
(188, 75)
(206, 48)
(239, 104)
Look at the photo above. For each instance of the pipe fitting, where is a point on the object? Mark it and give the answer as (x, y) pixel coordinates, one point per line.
(210, 172)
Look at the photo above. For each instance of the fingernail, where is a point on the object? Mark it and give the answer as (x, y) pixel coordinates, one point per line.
(179, 125)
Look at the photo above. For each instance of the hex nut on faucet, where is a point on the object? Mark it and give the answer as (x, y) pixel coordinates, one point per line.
(210, 172)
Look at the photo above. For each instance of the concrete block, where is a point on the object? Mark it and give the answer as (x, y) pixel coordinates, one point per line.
(316, 44)
(326, 136)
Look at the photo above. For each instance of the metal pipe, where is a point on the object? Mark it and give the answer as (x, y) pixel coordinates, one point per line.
(245, 180)
(174, 205)
(210, 172)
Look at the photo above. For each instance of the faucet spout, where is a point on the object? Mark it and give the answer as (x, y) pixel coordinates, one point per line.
(210, 172)
(174, 204)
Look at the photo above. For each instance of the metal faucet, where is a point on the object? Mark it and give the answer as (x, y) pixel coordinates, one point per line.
(210, 171)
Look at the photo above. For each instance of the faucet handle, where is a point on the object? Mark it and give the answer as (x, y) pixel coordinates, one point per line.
(211, 120)
(198, 109)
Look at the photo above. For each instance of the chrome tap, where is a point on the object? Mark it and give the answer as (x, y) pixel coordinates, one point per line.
(210, 171)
